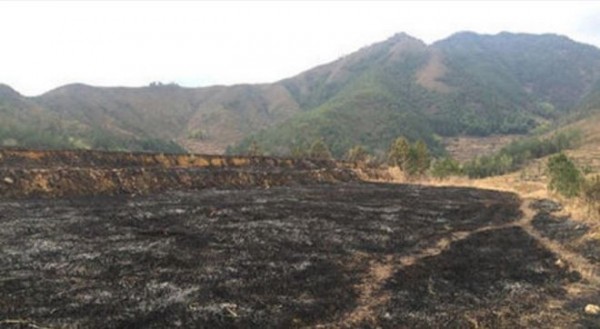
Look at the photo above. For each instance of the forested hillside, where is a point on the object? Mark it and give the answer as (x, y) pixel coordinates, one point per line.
(467, 84)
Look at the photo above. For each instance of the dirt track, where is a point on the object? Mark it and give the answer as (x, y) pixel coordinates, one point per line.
(345, 255)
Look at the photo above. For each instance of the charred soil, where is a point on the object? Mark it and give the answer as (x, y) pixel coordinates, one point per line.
(327, 255)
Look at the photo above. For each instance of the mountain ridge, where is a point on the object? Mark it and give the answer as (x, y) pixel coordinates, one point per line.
(483, 91)
(468, 83)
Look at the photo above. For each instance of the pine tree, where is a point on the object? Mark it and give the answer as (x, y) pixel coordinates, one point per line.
(565, 177)
(320, 150)
(422, 157)
(399, 152)
(357, 154)
(411, 164)
(254, 149)
(445, 167)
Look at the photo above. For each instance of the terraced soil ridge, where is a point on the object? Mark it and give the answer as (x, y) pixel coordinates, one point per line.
(25, 173)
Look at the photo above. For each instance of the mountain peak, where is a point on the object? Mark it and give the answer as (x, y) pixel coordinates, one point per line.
(393, 47)
(6, 89)
(403, 38)
(506, 35)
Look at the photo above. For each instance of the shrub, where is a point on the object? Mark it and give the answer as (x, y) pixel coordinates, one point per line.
(591, 193)
(399, 152)
(446, 167)
(423, 161)
(254, 150)
(517, 153)
(320, 150)
(565, 177)
(357, 154)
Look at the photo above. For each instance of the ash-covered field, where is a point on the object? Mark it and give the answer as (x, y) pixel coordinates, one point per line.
(341, 255)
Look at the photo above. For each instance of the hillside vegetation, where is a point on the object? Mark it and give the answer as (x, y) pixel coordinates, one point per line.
(482, 85)
(467, 84)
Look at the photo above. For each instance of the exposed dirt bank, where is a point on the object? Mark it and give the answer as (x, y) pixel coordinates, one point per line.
(52, 174)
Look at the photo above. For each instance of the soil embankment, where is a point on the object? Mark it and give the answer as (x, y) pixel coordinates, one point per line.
(25, 173)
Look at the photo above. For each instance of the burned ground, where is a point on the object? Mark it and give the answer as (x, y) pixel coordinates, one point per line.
(338, 255)
(487, 279)
(570, 233)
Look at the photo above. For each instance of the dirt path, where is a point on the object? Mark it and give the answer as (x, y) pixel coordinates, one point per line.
(370, 289)
(373, 297)
(576, 262)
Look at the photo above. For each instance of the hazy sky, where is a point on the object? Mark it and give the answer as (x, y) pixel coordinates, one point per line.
(107, 43)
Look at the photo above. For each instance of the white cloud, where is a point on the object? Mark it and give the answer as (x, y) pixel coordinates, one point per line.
(47, 44)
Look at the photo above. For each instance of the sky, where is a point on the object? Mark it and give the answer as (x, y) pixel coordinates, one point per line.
(47, 44)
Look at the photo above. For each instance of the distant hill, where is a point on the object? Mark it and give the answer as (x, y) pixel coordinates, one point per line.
(467, 84)
(154, 118)
(204, 120)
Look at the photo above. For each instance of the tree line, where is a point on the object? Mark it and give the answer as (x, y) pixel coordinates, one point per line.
(415, 159)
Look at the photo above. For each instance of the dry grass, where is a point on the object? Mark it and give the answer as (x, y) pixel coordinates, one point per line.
(529, 184)
(465, 148)
(529, 189)
(573, 208)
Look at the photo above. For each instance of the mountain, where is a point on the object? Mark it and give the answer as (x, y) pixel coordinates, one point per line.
(203, 119)
(591, 101)
(23, 121)
(154, 118)
(467, 84)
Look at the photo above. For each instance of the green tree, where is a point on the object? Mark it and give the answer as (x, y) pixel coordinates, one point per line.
(517, 153)
(411, 164)
(254, 149)
(299, 150)
(320, 150)
(565, 177)
(357, 154)
(423, 161)
(399, 153)
(446, 167)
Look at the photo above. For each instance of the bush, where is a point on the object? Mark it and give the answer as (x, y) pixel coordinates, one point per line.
(591, 193)
(398, 153)
(423, 160)
(412, 159)
(254, 150)
(320, 150)
(357, 154)
(446, 167)
(514, 155)
(565, 177)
